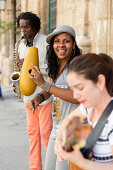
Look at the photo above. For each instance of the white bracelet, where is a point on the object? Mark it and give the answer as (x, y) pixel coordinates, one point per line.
(46, 86)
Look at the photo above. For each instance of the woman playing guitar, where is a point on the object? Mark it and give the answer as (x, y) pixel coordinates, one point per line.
(90, 76)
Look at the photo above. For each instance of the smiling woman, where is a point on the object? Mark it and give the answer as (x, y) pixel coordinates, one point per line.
(61, 50)
(63, 38)
(63, 46)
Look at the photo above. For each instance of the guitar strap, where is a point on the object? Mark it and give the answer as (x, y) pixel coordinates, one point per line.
(96, 131)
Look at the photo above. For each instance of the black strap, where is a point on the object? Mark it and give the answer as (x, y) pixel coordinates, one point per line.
(96, 131)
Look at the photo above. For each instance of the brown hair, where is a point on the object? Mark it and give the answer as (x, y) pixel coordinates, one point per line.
(91, 65)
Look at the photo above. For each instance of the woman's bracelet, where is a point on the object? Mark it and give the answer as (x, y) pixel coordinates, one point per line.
(46, 86)
(42, 97)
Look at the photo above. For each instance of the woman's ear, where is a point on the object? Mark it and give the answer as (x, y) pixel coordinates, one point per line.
(101, 81)
(74, 45)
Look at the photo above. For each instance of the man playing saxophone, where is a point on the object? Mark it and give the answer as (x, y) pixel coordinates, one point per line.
(39, 124)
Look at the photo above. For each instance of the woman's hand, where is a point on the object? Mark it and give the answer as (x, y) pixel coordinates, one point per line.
(57, 145)
(73, 156)
(36, 75)
(60, 139)
(34, 103)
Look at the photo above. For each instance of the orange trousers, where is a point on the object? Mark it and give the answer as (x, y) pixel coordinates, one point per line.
(39, 125)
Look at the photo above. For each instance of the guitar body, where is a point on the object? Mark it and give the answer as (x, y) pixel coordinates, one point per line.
(86, 131)
(75, 137)
(73, 167)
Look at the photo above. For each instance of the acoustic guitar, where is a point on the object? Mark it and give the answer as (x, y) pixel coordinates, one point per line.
(75, 136)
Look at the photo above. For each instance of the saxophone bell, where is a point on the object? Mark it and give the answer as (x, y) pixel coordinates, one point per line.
(15, 77)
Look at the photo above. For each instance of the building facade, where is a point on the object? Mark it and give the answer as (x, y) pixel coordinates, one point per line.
(91, 19)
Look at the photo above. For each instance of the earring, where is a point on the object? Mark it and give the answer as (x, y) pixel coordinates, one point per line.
(101, 89)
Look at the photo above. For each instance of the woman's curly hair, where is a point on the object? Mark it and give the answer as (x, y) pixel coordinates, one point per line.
(52, 59)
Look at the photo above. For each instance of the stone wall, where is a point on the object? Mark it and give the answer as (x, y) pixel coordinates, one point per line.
(91, 19)
(7, 44)
(39, 7)
(75, 14)
(7, 39)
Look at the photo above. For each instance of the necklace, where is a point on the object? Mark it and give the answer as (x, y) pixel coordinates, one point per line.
(61, 69)
(57, 102)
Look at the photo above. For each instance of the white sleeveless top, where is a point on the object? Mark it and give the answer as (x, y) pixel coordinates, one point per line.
(102, 149)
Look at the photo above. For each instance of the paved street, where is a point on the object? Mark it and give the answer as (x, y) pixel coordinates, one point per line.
(14, 147)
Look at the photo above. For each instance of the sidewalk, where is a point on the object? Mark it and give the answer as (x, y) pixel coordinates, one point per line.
(14, 146)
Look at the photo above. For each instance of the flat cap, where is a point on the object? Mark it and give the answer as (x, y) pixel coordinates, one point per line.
(61, 29)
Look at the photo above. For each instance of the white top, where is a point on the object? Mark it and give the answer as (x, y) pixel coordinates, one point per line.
(39, 41)
(102, 149)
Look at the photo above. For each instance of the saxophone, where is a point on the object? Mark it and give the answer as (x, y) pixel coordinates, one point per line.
(15, 76)
(16, 55)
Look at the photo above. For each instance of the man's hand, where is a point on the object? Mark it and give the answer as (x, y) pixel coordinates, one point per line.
(34, 103)
(19, 63)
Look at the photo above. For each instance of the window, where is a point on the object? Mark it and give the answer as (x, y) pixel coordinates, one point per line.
(52, 15)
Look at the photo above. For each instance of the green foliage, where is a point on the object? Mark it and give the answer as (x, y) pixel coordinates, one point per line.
(1, 25)
(10, 26)
(7, 26)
